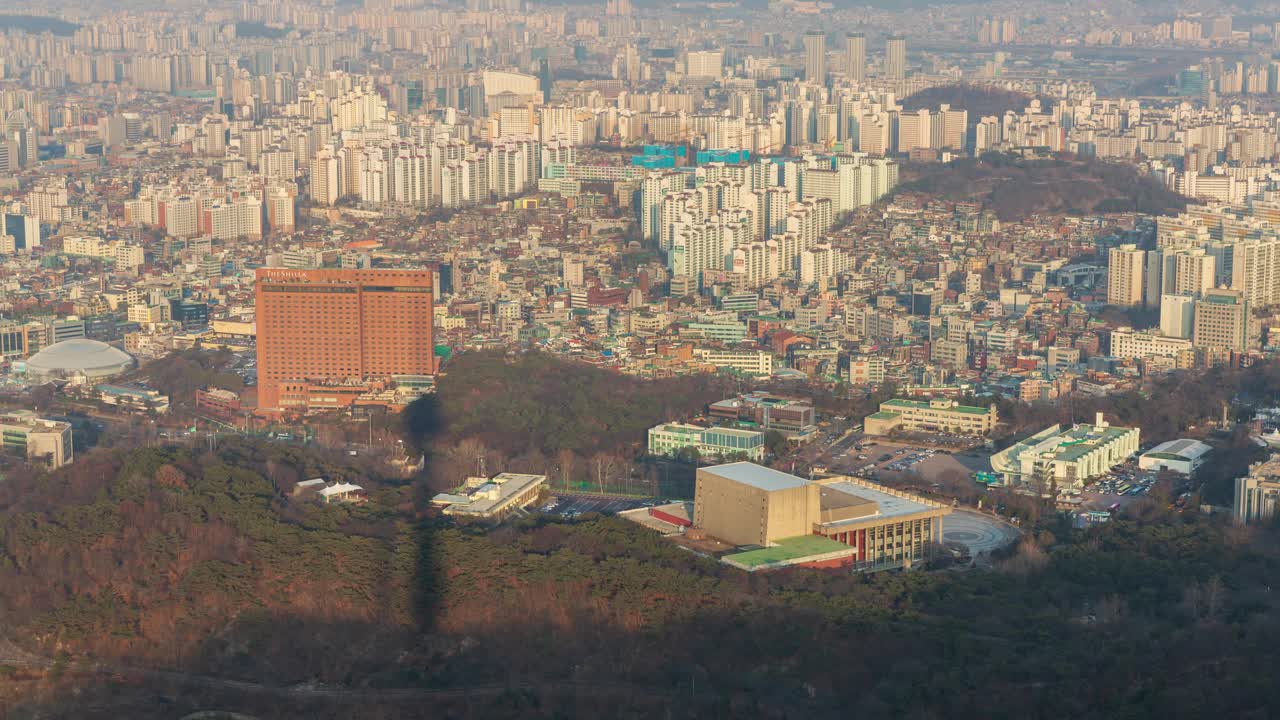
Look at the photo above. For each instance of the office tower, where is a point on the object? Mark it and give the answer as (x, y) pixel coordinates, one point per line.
(1221, 321)
(855, 50)
(318, 326)
(545, 82)
(895, 58)
(815, 57)
(1177, 315)
(1125, 266)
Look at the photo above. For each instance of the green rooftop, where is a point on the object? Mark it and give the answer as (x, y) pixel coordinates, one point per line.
(883, 415)
(924, 405)
(788, 550)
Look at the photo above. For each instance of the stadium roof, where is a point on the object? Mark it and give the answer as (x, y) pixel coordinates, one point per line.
(79, 355)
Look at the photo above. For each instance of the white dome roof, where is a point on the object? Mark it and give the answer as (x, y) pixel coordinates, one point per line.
(79, 356)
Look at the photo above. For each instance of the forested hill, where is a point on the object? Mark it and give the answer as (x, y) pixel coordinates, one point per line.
(204, 565)
(38, 24)
(1016, 189)
(535, 412)
(978, 100)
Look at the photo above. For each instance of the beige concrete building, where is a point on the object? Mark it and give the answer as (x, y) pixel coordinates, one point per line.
(940, 414)
(1258, 493)
(1221, 321)
(492, 498)
(748, 504)
(45, 442)
(838, 521)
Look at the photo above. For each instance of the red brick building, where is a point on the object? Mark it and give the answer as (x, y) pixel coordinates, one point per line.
(337, 326)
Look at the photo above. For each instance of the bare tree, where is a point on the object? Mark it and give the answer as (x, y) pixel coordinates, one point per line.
(603, 466)
(1214, 594)
(567, 459)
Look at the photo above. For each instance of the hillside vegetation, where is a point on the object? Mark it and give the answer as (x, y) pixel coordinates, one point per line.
(1016, 189)
(979, 101)
(534, 412)
(203, 564)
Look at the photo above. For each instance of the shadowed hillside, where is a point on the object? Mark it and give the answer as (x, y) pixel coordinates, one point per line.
(165, 581)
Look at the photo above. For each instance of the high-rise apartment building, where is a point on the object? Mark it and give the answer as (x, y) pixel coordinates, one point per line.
(855, 57)
(331, 326)
(895, 58)
(815, 56)
(1125, 284)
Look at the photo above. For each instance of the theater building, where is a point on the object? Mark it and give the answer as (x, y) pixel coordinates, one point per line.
(776, 519)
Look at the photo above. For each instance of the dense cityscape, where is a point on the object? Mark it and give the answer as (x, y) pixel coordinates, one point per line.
(613, 358)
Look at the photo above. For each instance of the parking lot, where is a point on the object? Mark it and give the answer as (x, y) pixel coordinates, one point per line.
(572, 506)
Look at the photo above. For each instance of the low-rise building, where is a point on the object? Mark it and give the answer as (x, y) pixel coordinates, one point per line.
(710, 442)
(37, 440)
(217, 401)
(491, 498)
(767, 411)
(1180, 456)
(133, 398)
(1258, 493)
(937, 415)
(1067, 457)
(747, 362)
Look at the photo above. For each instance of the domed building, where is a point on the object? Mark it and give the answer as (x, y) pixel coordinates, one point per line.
(78, 360)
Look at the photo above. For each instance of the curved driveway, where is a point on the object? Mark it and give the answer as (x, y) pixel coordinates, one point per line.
(980, 533)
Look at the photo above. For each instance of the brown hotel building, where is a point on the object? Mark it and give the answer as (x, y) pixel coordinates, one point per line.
(338, 329)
